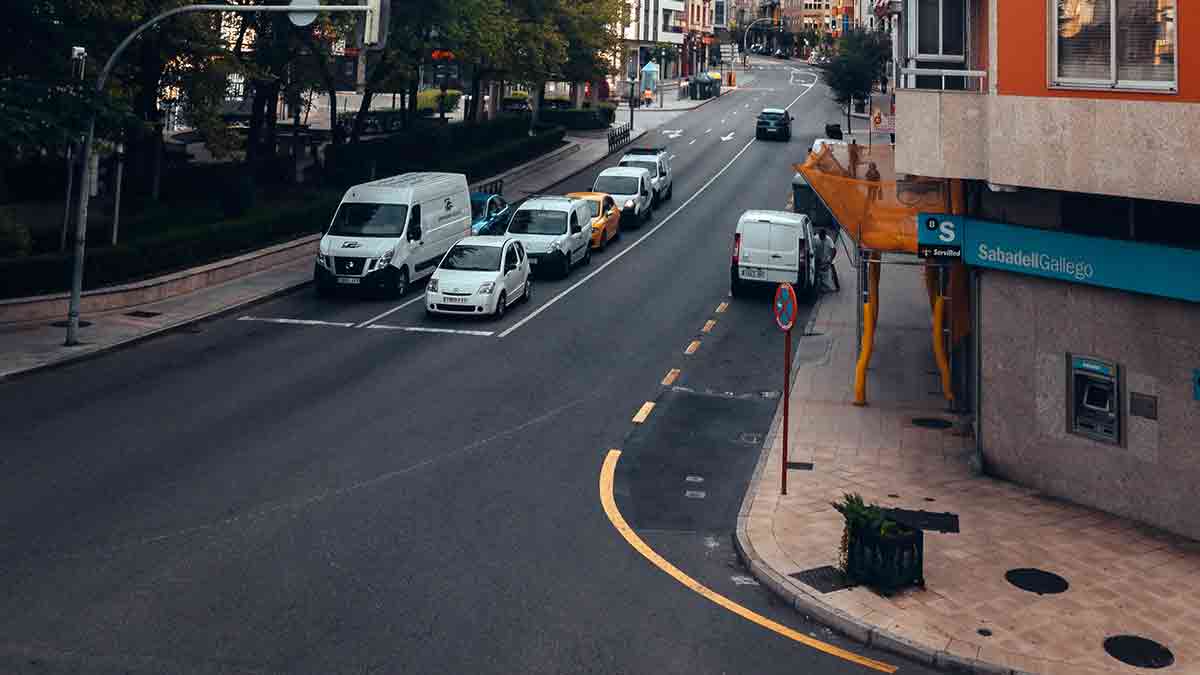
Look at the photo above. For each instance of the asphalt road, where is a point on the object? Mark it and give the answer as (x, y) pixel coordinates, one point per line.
(364, 495)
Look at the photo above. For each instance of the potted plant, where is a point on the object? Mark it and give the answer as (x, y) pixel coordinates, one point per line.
(876, 550)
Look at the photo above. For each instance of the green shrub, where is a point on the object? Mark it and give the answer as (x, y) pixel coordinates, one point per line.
(15, 238)
(609, 110)
(236, 194)
(427, 99)
(517, 96)
(577, 118)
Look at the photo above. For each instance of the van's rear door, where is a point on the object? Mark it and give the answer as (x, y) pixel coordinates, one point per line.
(756, 244)
(785, 248)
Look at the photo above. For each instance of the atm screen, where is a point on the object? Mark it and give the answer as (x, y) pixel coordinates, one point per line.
(1098, 398)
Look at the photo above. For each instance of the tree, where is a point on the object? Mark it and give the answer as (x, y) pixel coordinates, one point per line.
(850, 76)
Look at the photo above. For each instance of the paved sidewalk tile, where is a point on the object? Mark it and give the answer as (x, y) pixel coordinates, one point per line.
(1124, 578)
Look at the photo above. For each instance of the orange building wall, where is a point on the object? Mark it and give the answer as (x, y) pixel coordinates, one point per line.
(1024, 28)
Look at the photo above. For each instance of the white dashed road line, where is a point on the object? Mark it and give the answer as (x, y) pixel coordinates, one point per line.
(391, 311)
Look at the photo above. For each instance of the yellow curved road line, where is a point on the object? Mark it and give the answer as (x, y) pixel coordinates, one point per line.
(618, 522)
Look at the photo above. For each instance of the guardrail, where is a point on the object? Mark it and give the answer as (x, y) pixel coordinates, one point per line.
(978, 78)
(619, 136)
(495, 187)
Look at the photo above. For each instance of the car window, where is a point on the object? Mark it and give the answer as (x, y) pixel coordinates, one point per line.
(519, 249)
(617, 185)
(368, 220)
(574, 219)
(471, 258)
(771, 116)
(477, 209)
(661, 168)
(647, 164)
(537, 221)
(608, 204)
(511, 258)
(593, 208)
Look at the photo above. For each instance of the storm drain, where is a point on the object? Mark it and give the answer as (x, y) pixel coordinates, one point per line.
(1037, 581)
(932, 423)
(63, 324)
(143, 314)
(825, 579)
(1138, 651)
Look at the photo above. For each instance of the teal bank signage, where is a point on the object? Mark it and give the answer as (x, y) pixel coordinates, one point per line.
(1125, 265)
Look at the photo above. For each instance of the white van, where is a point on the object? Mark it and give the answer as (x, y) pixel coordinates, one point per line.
(391, 232)
(771, 247)
(630, 189)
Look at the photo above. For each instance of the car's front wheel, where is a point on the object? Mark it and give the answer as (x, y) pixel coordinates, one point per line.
(400, 286)
(565, 270)
(501, 306)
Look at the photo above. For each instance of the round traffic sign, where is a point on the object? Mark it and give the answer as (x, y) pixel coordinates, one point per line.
(302, 19)
(785, 306)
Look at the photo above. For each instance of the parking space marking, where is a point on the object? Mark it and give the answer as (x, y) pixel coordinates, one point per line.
(691, 348)
(691, 141)
(426, 329)
(672, 375)
(296, 322)
(609, 503)
(722, 307)
(637, 242)
(643, 412)
(708, 326)
(708, 131)
(397, 308)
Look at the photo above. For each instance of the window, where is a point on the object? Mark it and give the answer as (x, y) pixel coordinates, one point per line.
(1115, 43)
(941, 29)
(358, 219)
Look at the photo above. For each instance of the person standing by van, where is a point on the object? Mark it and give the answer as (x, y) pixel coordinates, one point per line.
(826, 252)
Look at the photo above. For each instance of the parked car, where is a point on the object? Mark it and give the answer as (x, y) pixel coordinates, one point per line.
(782, 54)
(773, 123)
(657, 162)
(630, 189)
(606, 217)
(480, 276)
(552, 230)
(390, 232)
(515, 106)
(756, 48)
(489, 213)
(772, 247)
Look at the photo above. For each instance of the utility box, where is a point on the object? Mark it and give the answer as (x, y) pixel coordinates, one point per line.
(1094, 393)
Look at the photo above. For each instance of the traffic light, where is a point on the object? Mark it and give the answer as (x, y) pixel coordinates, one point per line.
(375, 32)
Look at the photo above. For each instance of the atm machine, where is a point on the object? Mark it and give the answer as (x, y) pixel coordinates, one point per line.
(1094, 399)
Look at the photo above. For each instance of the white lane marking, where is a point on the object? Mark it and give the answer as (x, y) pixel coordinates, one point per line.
(722, 121)
(424, 329)
(637, 242)
(694, 479)
(672, 133)
(743, 581)
(691, 141)
(708, 131)
(746, 106)
(695, 494)
(727, 137)
(296, 322)
(397, 308)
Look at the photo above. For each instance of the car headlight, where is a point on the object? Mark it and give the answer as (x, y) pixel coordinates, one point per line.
(433, 286)
(323, 259)
(487, 287)
(629, 203)
(556, 246)
(385, 259)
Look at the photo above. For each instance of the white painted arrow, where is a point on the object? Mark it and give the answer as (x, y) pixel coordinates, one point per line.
(691, 141)
(672, 133)
(727, 137)
(708, 131)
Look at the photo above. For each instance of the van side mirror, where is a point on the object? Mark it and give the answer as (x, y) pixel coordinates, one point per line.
(414, 232)
(576, 228)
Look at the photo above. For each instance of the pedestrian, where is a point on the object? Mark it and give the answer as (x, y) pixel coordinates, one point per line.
(826, 272)
(874, 192)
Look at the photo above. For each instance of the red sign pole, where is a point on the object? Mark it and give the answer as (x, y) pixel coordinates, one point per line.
(787, 403)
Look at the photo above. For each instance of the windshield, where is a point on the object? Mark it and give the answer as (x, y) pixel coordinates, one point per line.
(617, 185)
(533, 221)
(356, 219)
(593, 207)
(477, 208)
(472, 258)
(773, 117)
(652, 167)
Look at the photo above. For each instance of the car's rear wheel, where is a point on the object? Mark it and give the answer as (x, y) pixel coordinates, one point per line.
(587, 255)
(528, 295)
(671, 192)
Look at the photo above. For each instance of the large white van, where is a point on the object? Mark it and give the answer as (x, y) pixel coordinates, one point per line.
(771, 247)
(391, 232)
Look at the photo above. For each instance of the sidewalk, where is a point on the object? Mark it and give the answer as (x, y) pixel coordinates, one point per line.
(1124, 578)
(26, 347)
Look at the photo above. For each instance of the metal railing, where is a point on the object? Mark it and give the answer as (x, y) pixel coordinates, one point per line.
(959, 80)
(494, 187)
(619, 136)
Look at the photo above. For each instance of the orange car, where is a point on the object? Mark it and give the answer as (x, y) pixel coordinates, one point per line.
(606, 217)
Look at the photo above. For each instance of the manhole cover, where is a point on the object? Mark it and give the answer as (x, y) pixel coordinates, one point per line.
(143, 314)
(1036, 581)
(985, 632)
(932, 423)
(1138, 651)
(63, 324)
(825, 579)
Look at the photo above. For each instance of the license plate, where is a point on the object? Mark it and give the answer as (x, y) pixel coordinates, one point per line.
(772, 130)
(349, 280)
(753, 273)
(454, 301)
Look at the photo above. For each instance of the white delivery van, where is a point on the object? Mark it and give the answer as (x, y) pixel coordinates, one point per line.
(630, 188)
(391, 232)
(772, 247)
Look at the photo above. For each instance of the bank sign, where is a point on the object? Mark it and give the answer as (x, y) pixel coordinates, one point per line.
(1125, 265)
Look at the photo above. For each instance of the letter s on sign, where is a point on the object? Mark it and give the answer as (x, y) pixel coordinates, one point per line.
(946, 231)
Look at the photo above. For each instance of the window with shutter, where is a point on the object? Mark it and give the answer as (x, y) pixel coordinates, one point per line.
(1115, 43)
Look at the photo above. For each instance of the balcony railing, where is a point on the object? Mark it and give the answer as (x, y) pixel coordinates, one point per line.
(944, 79)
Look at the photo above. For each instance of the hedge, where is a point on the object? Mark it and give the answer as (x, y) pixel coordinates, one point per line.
(578, 118)
(171, 251)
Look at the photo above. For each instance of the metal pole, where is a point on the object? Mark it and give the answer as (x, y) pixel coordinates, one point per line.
(62, 240)
(787, 404)
(85, 160)
(117, 198)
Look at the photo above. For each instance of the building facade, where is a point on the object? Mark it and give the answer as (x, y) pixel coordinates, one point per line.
(1074, 126)
(651, 30)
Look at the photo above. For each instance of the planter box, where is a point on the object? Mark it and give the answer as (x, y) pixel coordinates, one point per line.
(886, 564)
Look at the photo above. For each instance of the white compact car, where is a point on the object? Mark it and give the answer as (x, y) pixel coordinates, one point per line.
(629, 186)
(480, 276)
(657, 162)
(771, 247)
(556, 231)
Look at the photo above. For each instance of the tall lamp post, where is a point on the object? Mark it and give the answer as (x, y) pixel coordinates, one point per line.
(302, 15)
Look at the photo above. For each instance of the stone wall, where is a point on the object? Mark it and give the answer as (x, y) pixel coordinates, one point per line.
(1028, 325)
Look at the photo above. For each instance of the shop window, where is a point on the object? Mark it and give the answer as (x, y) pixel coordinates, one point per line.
(1115, 43)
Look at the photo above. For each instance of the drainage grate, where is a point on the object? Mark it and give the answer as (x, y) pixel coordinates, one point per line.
(800, 466)
(143, 314)
(1138, 651)
(932, 423)
(985, 632)
(825, 579)
(1037, 581)
(63, 324)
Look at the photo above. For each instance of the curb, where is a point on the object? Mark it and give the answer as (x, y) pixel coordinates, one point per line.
(814, 608)
(161, 330)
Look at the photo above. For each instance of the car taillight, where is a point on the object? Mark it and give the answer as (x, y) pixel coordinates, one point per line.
(737, 246)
